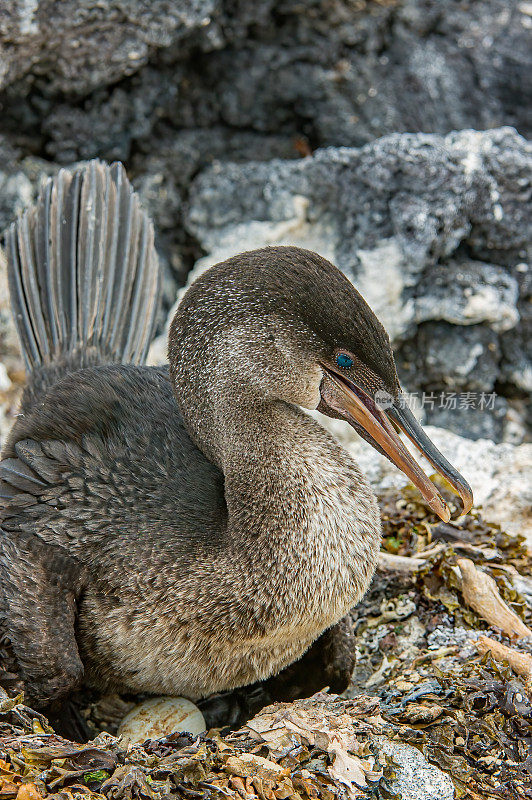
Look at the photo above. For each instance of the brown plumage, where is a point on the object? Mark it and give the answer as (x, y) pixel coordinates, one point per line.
(193, 531)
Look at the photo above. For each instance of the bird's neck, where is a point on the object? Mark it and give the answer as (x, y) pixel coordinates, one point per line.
(299, 509)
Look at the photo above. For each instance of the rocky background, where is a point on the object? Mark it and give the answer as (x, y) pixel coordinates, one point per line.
(391, 137)
(388, 135)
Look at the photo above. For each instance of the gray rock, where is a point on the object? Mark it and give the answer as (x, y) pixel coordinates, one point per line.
(16, 189)
(9, 346)
(81, 46)
(398, 216)
(447, 634)
(476, 422)
(417, 778)
(105, 130)
(516, 367)
(443, 355)
(468, 292)
(340, 73)
(163, 179)
(371, 195)
(345, 76)
(20, 180)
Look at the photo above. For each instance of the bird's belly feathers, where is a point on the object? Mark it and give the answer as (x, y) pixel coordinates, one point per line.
(162, 659)
(214, 627)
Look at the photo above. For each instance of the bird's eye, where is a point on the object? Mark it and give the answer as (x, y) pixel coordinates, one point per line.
(344, 361)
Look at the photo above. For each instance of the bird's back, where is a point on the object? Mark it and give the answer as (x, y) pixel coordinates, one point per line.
(106, 451)
(101, 488)
(105, 495)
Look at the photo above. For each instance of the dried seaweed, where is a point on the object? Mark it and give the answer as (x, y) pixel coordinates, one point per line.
(469, 714)
(419, 680)
(410, 528)
(326, 752)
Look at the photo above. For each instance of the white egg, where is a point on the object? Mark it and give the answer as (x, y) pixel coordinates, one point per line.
(159, 717)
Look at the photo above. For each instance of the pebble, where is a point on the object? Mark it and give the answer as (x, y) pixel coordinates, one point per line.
(417, 779)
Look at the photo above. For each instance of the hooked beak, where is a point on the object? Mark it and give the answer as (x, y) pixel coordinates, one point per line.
(357, 408)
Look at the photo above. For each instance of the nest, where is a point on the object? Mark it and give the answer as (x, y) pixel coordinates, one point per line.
(444, 665)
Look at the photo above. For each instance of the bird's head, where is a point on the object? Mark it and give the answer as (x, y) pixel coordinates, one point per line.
(283, 324)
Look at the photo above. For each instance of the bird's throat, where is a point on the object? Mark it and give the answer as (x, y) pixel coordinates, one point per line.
(301, 514)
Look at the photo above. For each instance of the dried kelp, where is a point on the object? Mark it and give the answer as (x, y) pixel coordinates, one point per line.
(427, 675)
(316, 748)
(474, 722)
(468, 713)
(411, 529)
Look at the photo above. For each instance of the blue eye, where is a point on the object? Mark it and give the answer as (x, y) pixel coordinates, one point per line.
(344, 361)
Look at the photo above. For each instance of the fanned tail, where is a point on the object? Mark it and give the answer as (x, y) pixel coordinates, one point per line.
(83, 274)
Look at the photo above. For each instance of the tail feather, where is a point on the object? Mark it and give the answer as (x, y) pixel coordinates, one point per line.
(82, 270)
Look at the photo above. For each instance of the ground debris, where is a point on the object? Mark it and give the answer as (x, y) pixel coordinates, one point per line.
(521, 663)
(456, 688)
(317, 748)
(433, 682)
(480, 592)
